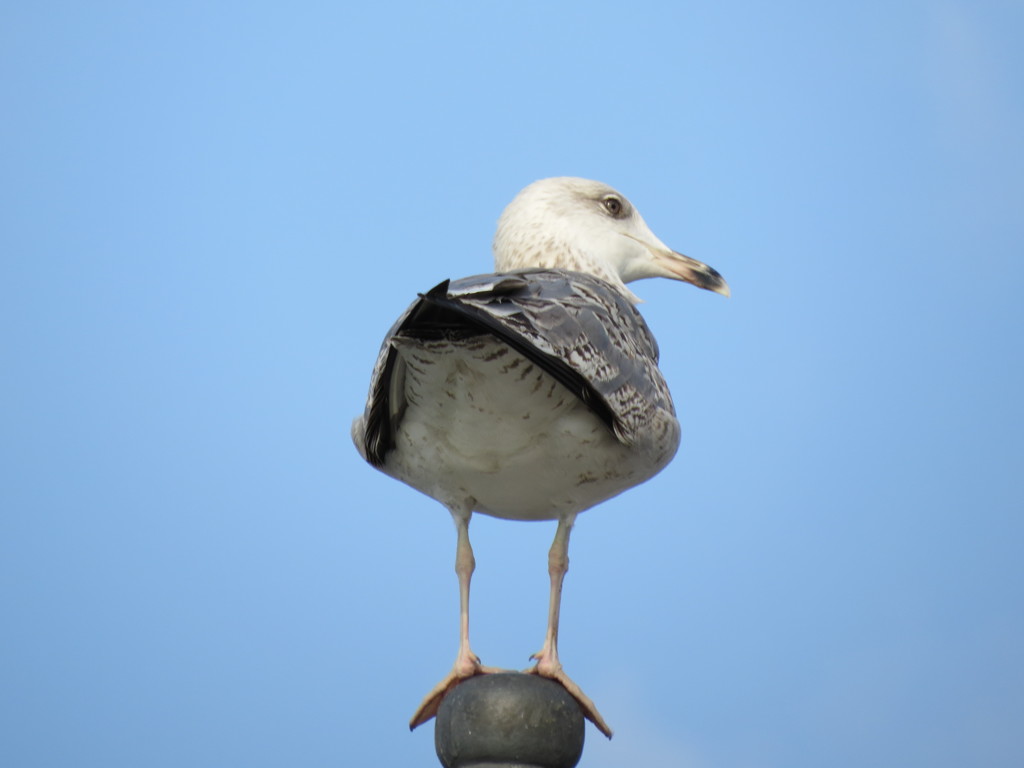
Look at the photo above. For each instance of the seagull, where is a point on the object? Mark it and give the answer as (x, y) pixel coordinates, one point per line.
(532, 393)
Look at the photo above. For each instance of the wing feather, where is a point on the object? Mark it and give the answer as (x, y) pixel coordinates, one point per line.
(576, 327)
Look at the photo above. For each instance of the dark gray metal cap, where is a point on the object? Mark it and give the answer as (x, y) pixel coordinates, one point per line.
(509, 720)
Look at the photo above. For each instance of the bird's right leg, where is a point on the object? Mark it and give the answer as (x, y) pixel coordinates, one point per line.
(548, 664)
(467, 663)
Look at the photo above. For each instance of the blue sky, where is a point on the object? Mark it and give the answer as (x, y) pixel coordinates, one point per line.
(210, 215)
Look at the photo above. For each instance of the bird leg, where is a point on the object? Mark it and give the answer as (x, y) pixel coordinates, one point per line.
(467, 663)
(547, 657)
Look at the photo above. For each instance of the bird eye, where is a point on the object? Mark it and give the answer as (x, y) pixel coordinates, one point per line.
(613, 205)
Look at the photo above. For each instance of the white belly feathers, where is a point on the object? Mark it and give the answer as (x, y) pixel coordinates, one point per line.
(484, 423)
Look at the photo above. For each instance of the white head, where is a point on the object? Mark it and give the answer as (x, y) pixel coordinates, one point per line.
(586, 226)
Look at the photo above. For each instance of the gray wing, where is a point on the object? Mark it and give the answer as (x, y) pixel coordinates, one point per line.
(574, 326)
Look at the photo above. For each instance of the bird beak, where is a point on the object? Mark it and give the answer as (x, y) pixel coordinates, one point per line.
(674, 265)
(679, 267)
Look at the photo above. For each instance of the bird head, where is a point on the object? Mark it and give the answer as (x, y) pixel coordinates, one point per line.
(586, 226)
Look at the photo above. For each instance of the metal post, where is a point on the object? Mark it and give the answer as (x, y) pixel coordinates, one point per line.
(509, 720)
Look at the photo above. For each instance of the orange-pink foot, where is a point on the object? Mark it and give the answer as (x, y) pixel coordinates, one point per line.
(465, 667)
(549, 668)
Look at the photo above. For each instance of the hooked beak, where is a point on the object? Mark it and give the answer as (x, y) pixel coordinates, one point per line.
(698, 273)
(676, 266)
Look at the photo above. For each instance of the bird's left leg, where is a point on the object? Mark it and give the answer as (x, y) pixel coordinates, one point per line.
(548, 664)
(467, 663)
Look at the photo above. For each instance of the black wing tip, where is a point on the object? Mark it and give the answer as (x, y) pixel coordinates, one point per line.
(439, 291)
